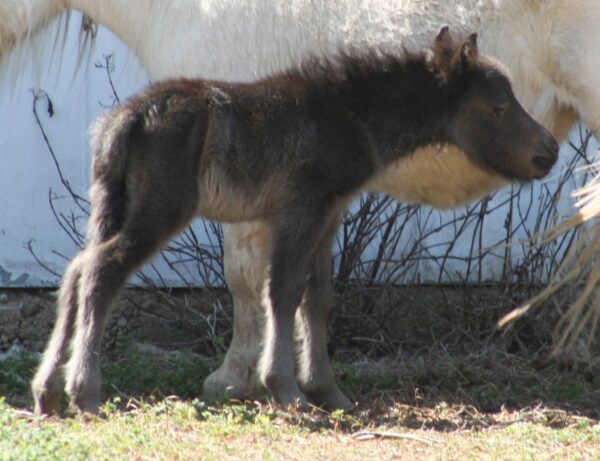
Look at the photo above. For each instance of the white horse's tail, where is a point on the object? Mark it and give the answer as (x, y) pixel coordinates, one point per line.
(35, 32)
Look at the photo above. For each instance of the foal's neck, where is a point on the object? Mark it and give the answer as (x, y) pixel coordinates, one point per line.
(403, 106)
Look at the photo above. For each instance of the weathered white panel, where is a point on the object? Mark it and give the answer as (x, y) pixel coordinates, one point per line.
(28, 174)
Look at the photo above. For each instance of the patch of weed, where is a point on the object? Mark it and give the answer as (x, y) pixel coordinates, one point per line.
(356, 381)
(15, 377)
(142, 374)
(567, 391)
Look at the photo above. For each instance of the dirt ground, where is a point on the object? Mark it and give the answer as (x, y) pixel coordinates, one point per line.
(27, 317)
(374, 320)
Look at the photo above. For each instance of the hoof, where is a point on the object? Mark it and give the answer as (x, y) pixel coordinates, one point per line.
(293, 403)
(86, 406)
(334, 400)
(46, 402)
(232, 383)
(289, 397)
(84, 399)
(47, 390)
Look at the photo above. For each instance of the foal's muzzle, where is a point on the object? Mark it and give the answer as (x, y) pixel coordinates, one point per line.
(545, 156)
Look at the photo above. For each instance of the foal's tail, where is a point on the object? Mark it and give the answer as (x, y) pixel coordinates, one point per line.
(110, 136)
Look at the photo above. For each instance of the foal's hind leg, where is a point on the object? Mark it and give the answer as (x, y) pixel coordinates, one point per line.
(315, 374)
(107, 265)
(106, 269)
(48, 383)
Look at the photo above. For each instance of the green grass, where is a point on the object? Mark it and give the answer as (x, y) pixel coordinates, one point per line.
(171, 429)
(15, 376)
(137, 373)
(180, 373)
(153, 412)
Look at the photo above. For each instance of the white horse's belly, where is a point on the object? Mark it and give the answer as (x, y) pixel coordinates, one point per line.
(244, 40)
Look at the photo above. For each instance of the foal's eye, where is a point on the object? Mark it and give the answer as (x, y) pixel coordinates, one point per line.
(500, 109)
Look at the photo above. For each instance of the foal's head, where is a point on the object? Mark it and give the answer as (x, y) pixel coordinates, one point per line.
(486, 121)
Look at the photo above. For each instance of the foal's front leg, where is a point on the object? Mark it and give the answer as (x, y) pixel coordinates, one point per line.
(295, 238)
(315, 374)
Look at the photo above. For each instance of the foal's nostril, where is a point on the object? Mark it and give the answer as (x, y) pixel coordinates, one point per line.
(553, 147)
(547, 155)
(545, 162)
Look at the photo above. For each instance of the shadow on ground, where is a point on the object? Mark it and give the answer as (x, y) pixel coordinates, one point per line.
(440, 392)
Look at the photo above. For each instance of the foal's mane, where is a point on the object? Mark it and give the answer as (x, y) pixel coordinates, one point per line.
(353, 64)
(439, 62)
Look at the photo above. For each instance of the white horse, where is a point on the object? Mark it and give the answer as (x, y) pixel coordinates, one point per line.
(550, 47)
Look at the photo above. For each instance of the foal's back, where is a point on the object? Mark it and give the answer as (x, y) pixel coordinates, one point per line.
(244, 150)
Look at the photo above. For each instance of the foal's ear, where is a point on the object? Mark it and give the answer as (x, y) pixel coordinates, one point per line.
(441, 55)
(444, 43)
(443, 36)
(469, 50)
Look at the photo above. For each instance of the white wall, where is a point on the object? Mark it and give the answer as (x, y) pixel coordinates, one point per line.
(28, 174)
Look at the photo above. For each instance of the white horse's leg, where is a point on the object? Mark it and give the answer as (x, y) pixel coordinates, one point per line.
(246, 248)
(315, 374)
(237, 376)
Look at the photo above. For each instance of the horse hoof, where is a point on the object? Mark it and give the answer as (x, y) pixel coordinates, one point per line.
(298, 403)
(330, 400)
(84, 402)
(290, 399)
(229, 383)
(47, 392)
(86, 406)
(46, 403)
(334, 401)
(286, 392)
